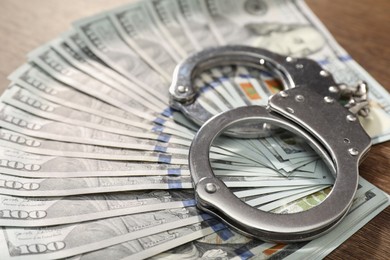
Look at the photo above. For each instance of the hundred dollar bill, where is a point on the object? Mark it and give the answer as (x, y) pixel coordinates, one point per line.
(290, 28)
(29, 102)
(243, 92)
(243, 88)
(213, 94)
(151, 245)
(204, 101)
(93, 67)
(289, 146)
(222, 76)
(44, 187)
(256, 151)
(217, 249)
(322, 246)
(50, 211)
(100, 35)
(225, 90)
(34, 187)
(24, 99)
(64, 241)
(139, 150)
(24, 164)
(25, 211)
(27, 124)
(278, 199)
(278, 162)
(59, 68)
(367, 200)
(210, 246)
(14, 140)
(292, 205)
(316, 170)
(33, 79)
(166, 14)
(218, 94)
(251, 86)
(143, 150)
(196, 24)
(243, 182)
(137, 27)
(88, 58)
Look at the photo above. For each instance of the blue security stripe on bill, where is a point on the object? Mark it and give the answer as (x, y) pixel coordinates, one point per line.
(189, 203)
(164, 138)
(221, 229)
(174, 171)
(160, 148)
(174, 184)
(244, 252)
(158, 128)
(164, 158)
(168, 112)
(342, 58)
(159, 121)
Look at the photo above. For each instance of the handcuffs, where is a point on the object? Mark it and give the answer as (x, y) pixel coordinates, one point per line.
(308, 106)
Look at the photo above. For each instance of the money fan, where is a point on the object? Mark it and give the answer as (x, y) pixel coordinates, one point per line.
(94, 161)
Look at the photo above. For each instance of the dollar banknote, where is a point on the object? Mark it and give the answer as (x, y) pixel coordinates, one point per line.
(195, 22)
(126, 220)
(290, 28)
(19, 162)
(29, 102)
(137, 27)
(41, 187)
(94, 66)
(100, 35)
(236, 246)
(64, 240)
(76, 56)
(50, 211)
(36, 81)
(26, 123)
(38, 146)
(170, 23)
(24, 164)
(57, 67)
(150, 245)
(94, 162)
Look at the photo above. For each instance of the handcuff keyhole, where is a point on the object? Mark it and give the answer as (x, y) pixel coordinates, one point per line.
(347, 141)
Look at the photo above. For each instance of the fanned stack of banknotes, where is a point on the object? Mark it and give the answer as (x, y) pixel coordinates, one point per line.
(94, 162)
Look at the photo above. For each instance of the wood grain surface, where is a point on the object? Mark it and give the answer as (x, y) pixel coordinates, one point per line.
(361, 27)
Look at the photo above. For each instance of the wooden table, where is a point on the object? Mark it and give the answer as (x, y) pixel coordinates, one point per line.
(361, 27)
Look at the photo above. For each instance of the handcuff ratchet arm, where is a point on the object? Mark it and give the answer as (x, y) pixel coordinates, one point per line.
(341, 142)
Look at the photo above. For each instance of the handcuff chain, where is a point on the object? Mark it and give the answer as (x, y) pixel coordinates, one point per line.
(355, 98)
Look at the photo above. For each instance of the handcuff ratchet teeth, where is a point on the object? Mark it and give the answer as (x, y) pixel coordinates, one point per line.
(307, 107)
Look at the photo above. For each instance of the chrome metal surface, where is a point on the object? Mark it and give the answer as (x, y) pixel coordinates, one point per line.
(292, 72)
(307, 107)
(324, 139)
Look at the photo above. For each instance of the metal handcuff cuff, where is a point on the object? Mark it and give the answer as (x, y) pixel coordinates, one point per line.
(308, 107)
